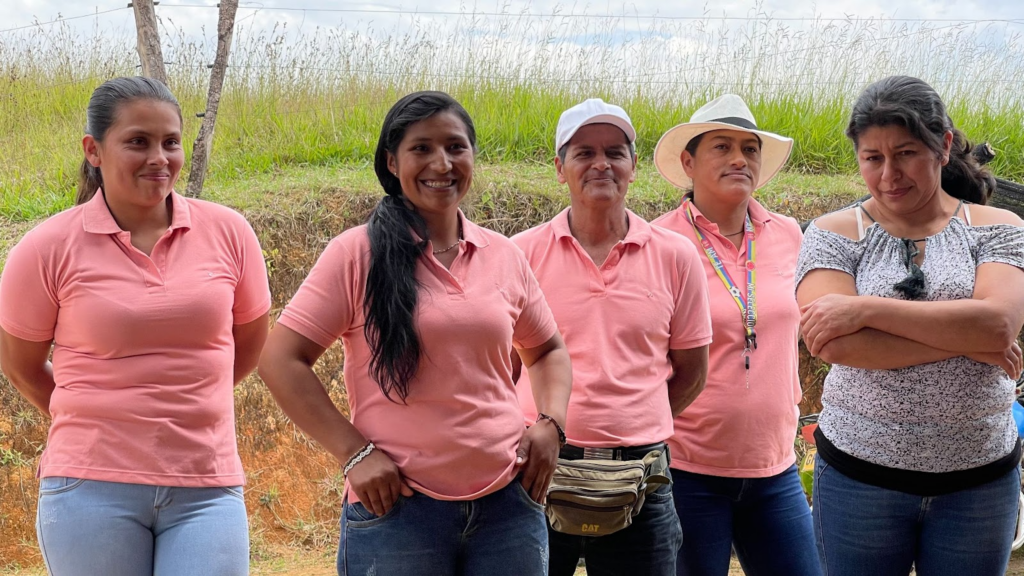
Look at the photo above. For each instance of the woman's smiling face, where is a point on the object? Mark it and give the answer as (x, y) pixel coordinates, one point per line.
(140, 155)
(434, 163)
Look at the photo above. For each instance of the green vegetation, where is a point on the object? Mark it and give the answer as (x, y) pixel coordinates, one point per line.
(316, 100)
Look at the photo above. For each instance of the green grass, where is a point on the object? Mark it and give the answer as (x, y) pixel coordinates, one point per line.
(316, 101)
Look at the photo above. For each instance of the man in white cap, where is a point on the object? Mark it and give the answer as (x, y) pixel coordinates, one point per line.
(631, 303)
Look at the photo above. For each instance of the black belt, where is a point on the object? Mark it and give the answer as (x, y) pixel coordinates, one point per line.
(570, 452)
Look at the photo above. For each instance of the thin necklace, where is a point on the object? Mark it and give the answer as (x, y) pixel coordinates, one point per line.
(734, 233)
(442, 251)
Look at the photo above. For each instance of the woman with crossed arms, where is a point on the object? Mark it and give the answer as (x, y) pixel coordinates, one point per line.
(916, 297)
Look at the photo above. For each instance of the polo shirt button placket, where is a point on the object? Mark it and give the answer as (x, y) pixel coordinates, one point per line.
(608, 268)
(452, 286)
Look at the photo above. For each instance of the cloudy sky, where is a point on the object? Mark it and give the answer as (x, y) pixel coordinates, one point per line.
(118, 17)
(664, 38)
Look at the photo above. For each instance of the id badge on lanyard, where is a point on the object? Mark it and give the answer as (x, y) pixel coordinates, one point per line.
(747, 305)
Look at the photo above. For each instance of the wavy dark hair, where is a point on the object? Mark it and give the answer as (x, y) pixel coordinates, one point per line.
(391, 287)
(104, 104)
(913, 104)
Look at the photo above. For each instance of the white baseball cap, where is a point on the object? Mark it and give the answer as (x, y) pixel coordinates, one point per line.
(592, 111)
(728, 112)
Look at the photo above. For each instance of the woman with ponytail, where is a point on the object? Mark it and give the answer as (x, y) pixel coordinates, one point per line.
(441, 477)
(916, 297)
(155, 306)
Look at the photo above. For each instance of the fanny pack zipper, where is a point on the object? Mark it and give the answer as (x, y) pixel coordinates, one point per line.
(582, 464)
(570, 504)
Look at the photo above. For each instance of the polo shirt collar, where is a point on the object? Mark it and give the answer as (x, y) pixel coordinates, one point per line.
(758, 215)
(639, 232)
(472, 233)
(99, 220)
(181, 215)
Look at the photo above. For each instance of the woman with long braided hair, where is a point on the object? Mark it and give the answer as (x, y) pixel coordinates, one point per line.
(442, 478)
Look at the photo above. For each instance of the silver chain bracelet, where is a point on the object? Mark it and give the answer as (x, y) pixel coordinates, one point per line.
(357, 458)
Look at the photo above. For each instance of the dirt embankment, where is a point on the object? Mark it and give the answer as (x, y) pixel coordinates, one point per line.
(294, 488)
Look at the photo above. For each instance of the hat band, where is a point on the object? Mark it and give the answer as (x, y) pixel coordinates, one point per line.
(735, 121)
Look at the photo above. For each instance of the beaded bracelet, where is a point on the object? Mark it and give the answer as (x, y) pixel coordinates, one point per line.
(357, 458)
(561, 433)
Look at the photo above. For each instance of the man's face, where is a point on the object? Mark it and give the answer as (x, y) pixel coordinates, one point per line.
(598, 166)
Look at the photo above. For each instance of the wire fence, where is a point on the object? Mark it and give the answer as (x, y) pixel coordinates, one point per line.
(624, 14)
(533, 77)
(707, 17)
(61, 19)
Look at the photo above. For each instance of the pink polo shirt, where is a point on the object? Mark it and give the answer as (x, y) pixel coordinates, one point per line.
(143, 353)
(456, 436)
(619, 322)
(732, 430)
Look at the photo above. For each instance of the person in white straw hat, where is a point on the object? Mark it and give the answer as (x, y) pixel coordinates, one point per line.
(733, 466)
(631, 303)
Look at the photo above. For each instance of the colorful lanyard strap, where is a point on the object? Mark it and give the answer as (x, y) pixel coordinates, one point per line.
(748, 305)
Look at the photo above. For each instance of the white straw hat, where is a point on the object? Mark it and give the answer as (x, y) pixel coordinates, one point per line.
(727, 112)
(592, 111)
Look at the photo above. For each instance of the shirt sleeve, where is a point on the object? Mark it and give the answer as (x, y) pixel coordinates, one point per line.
(324, 306)
(827, 250)
(536, 323)
(28, 294)
(252, 292)
(690, 326)
(1000, 243)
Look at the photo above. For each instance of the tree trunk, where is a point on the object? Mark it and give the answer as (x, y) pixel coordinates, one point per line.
(201, 149)
(150, 53)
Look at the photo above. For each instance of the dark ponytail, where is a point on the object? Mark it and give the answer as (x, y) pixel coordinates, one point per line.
(102, 112)
(89, 181)
(963, 176)
(916, 106)
(391, 287)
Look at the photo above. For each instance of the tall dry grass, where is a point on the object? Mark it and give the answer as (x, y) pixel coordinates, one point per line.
(317, 96)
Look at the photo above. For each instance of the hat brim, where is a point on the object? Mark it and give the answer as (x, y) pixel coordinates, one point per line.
(775, 151)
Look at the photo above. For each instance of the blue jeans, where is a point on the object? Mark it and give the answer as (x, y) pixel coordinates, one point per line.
(88, 527)
(647, 547)
(498, 534)
(767, 520)
(864, 529)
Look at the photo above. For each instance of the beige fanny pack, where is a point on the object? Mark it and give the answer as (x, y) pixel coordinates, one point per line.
(594, 497)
